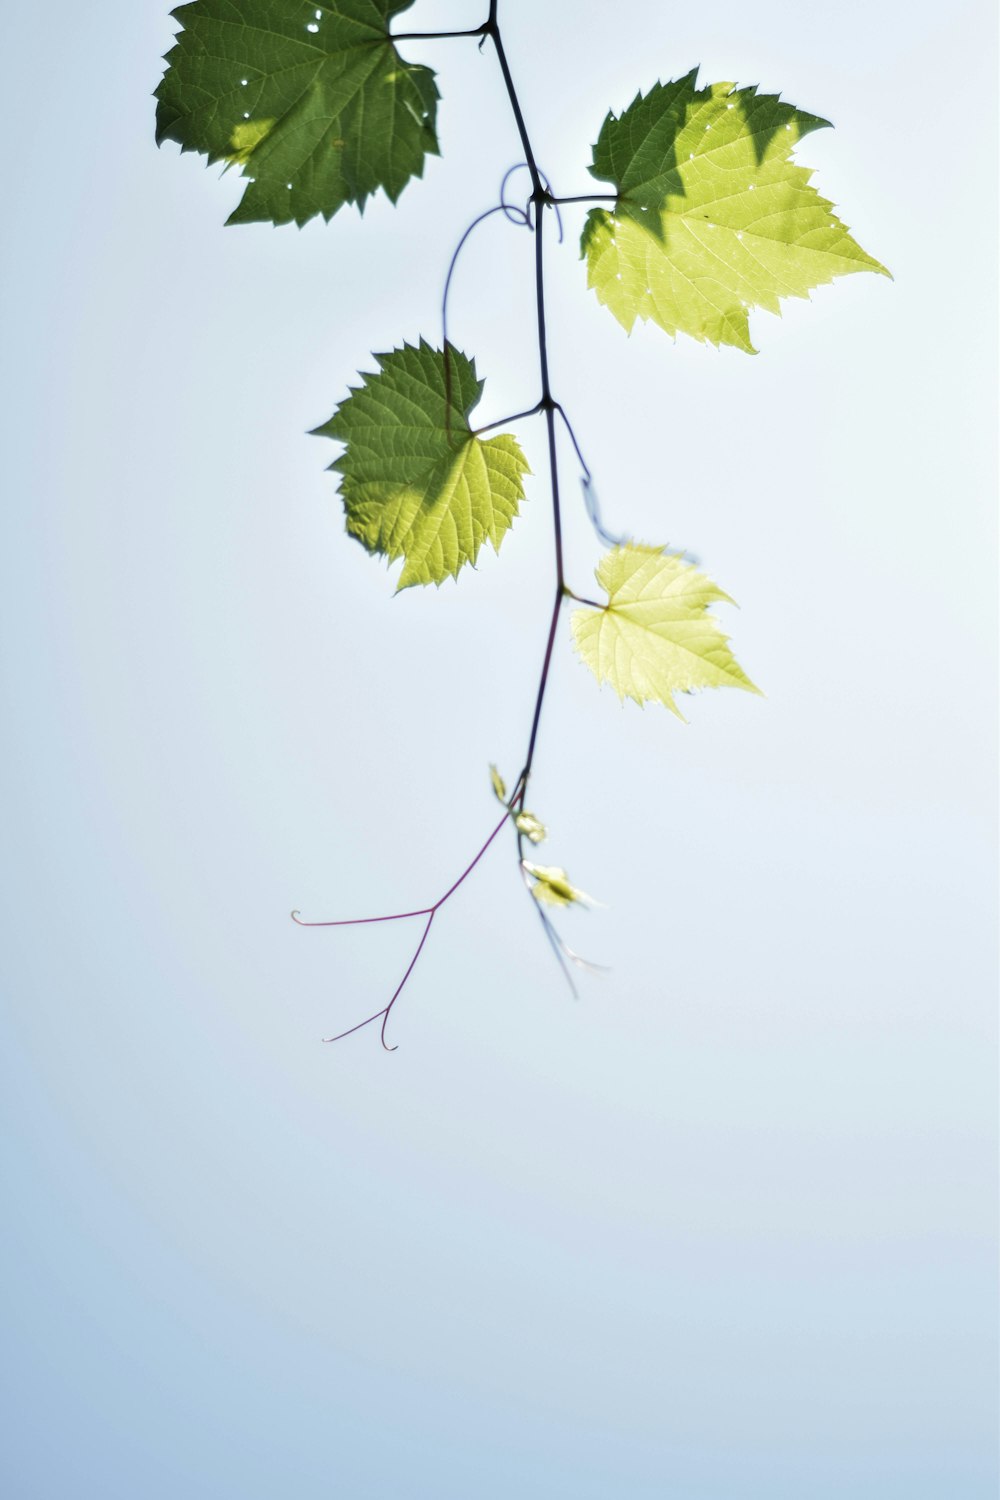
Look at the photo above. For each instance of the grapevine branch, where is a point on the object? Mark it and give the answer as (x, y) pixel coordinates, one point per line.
(531, 217)
(696, 268)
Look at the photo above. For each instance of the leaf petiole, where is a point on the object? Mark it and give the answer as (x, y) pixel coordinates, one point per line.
(531, 411)
(578, 599)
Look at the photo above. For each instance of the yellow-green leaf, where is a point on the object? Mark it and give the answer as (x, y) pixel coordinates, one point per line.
(655, 637)
(416, 481)
(712, 216)
(498, 785)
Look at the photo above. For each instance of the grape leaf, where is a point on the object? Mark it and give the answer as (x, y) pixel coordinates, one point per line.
(415, 480)
(654, 638)
(712, 216)
(313, 102)
(552, 885)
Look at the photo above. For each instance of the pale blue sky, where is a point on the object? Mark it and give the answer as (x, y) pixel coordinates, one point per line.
(725, 1229)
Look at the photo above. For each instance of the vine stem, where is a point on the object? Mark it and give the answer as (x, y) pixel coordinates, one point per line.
(541, 198)
(491, 29)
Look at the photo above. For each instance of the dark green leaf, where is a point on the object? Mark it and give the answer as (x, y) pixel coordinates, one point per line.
(312, 102)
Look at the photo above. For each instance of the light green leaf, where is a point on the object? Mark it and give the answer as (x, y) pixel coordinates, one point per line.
(416, 482)
(312, 101)
(498, 785)
(552, 885)
(532, 828)
(712, 217)
(654, 636)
